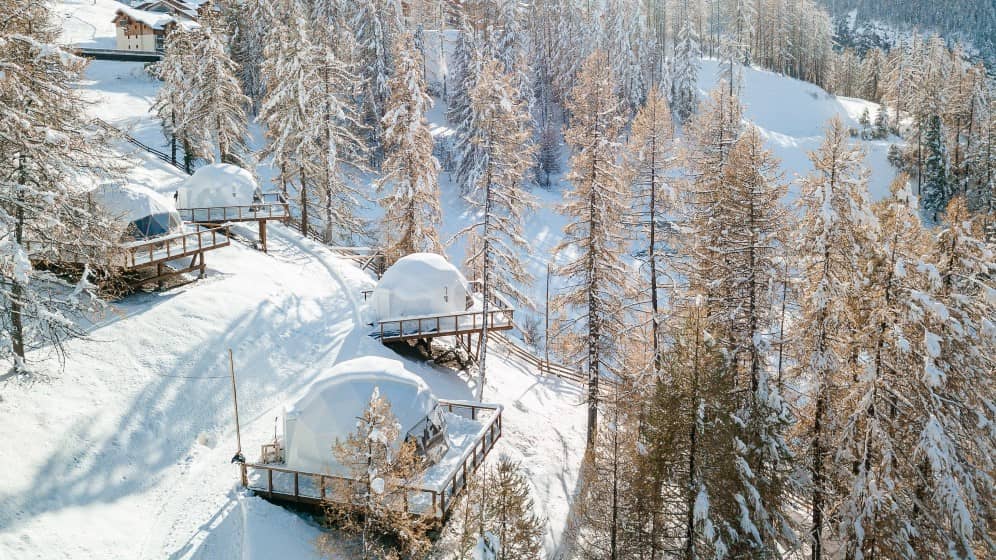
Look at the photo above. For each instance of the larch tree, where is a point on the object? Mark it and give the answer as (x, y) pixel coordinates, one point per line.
(336, 148)
(410, 182)
(951, 404)
(651, 150)
(737, 230)
(500, 193)
(376, 25)
(372, 501)
(216, 108)
(593, 240)
(509, 512)
(175, 70)
(287, 109)
(50, 156)
(837, 229)
(870, 440)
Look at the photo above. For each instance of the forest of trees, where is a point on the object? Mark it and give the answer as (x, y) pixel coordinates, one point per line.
(764, 380)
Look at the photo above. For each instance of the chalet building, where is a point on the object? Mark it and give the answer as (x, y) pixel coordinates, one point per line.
(145, 26)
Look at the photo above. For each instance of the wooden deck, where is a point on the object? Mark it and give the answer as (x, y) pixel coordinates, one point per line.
(273, 207)
(461, 325)
(154, 253)
(278, 483)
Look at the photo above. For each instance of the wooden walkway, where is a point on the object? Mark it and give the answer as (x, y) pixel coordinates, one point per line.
(154, 253)
(281, 484)
(273, 207)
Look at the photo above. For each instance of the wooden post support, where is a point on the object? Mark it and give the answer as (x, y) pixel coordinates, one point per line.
(238, 431)
(262, 234)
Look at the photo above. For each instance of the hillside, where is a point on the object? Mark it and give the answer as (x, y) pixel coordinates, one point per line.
(125, 451)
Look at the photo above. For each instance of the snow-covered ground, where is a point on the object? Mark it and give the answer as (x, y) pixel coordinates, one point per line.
(125, 453)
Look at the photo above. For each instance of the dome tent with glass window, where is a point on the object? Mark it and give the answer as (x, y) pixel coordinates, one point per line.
(219, 185)
(328, 410)
(146, 212)
(420, 285)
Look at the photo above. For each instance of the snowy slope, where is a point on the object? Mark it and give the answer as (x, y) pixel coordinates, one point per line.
(126, 452)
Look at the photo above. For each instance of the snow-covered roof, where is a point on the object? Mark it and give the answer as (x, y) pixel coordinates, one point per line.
(419, 285)
(155, 20)
(148, 211)
(220, 184)
(329, 408)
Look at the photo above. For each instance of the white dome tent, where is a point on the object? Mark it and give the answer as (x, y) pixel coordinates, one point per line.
(420, 285)
(147, 213)
(329, 408)
(219, 185)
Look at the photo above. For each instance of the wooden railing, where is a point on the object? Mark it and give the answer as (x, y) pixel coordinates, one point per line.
(433, 502)
(170, 247)
(242, 213)
(391, 330)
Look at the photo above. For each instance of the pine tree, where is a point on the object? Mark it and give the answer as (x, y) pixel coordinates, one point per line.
(936, 181)
(500, 194)
(836, 230)
(467, 69)
(249, 22)
(651, 149)
(373, 501)
(175, 70)
(881, 126)
(409, 185)
(594, 238)
(49, 157)
(216, 108)
(684, 72)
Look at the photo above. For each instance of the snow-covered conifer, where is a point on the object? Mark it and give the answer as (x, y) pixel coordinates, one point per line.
(684, 70)
(216, 108)
(836, 231)
(593, 239)
(936, 188)
(376, 24)
(651, 150)
(504, 141)
(409, 184)
(372, 503)
(176, 72)
(50, 156)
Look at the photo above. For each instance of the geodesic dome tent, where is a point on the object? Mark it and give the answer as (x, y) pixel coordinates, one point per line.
(420, 285)
(330, 407)
(218, 185)
(147, 213)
